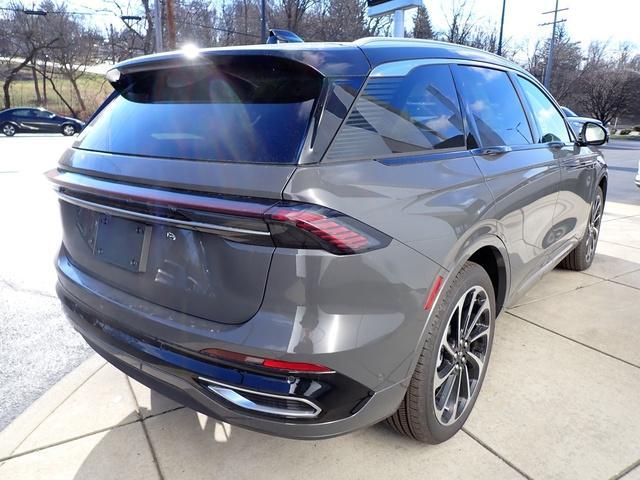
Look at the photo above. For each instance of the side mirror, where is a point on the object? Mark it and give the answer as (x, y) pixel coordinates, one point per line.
(592, 134)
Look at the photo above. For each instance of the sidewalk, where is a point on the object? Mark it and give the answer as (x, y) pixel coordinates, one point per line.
(561, 400)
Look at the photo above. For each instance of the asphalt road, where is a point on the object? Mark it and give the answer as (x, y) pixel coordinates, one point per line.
(37, 346)
(622, 157)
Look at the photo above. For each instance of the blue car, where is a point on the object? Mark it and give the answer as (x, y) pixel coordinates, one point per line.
(37, 120)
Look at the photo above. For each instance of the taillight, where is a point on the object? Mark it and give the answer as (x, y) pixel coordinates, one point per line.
(266, 362)
(300, 225)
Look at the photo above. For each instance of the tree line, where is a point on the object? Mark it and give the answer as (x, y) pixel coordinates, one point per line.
(599, 79)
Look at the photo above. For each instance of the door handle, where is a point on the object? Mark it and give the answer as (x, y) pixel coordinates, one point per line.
(492, 150)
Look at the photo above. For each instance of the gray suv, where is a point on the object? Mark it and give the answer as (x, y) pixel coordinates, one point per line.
(306, 239)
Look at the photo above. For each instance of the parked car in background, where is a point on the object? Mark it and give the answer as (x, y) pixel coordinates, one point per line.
(638, 176)
(306, 239)
(37, 120)
(577, 122)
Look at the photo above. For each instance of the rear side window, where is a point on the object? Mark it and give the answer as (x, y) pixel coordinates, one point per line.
(415, 113)
(494, 106)
(550, 122)
(253, 109)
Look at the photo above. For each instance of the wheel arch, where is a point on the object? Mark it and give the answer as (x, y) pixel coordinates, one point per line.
(490, 253)
(603, 182)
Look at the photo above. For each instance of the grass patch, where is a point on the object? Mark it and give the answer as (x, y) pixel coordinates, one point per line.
(93, 88)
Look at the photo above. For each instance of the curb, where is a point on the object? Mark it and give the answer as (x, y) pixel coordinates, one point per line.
(18, 430)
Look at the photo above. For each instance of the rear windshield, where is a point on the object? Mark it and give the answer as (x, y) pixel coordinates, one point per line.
(238, 109)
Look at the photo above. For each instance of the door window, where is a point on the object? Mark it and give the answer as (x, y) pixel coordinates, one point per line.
(494, 105)
(42, 114)
(549, 119)
(415, 113)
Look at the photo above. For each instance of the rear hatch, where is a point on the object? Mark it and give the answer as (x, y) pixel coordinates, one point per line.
(164, 193)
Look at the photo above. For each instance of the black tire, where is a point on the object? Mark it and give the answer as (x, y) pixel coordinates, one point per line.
(581, 257)
(8, 129)
(417, 416)
(68, 130)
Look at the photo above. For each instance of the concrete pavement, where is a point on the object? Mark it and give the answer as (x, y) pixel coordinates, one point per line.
(559, 401)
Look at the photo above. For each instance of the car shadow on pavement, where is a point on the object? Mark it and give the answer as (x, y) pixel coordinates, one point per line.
(186, 444)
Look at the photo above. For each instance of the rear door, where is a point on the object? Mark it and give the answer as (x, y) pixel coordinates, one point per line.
(578, 166)
(522, 174)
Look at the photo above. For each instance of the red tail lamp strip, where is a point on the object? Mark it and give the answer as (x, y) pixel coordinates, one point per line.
(265, 362)
(323, 227)
(433, 294)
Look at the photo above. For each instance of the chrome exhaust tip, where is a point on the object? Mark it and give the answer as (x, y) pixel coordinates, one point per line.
(269, 403)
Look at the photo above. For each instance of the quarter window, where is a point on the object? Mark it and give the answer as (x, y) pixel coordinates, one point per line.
(549, 120)
(494, 106)
(415, 113)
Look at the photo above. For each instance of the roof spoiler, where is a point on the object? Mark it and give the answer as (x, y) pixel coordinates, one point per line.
(277, 35)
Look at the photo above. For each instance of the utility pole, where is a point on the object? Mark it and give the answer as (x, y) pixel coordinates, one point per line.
(263, 20)
(158, 26)
(504, 5)
(552, 45)
(112, 41)
(171, 26)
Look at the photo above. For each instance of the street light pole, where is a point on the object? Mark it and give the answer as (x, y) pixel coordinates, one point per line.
(504, 5)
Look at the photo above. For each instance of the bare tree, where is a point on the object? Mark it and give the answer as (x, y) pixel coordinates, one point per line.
(24, 38)
(74, 51)
(460, 22)
(606, 94)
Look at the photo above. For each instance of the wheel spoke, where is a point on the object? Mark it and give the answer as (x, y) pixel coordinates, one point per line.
(439, 380)
(447, 346)
(456, 399)
(467, 319)
(467, 381)
(459, 326)
(446, 393)
(474, 322)
(475, 359)
(482, 333)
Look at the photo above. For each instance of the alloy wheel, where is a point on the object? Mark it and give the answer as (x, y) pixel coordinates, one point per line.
(462, 354)
(68, 130)
(593, 230)
(9, 130)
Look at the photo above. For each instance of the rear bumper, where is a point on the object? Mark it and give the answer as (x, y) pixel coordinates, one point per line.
(180, 386)
(125, 330)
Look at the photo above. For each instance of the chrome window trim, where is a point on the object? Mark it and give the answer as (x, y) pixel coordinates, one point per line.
(404, 67)
(230, 393)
